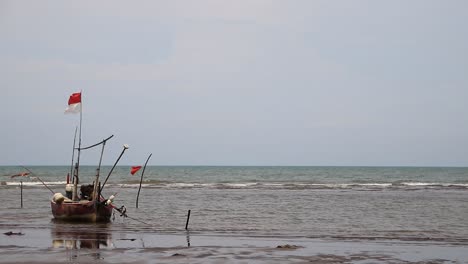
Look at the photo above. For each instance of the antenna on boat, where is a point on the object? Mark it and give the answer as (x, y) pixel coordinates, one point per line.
(73, 153)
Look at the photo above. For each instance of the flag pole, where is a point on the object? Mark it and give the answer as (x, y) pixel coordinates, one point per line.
(81, 118)
(76, 177)
(141, 179)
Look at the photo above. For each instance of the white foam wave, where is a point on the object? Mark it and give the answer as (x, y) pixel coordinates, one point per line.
(420, 183)
(279, 185)
(34, 183)
(434, 184)
(267, 185)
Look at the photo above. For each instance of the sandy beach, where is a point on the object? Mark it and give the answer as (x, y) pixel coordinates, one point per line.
(68, 246)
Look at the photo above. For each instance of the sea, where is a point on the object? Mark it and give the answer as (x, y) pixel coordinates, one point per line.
(352, 202)
(326, 203)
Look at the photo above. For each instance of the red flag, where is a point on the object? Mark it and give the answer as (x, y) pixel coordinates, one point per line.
(74, 98)
(135, 169)
(74, 103)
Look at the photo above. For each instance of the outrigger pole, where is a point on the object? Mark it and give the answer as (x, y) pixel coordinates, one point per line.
(125, 147)
(38, 179)
(96, 182)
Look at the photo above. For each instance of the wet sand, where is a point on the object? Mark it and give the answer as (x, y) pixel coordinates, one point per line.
(80, 246)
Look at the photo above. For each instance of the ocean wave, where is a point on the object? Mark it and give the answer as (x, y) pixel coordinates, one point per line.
(302, 185)
(268, 185)
(32, 183)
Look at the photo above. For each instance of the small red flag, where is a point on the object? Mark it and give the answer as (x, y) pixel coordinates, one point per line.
(22, 174)
(135, 169)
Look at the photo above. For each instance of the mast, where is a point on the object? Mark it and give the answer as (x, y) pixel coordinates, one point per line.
(98, 170)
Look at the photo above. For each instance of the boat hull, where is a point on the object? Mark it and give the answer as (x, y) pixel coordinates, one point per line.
(81, 211)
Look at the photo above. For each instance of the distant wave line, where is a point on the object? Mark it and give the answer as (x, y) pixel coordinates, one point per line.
(265, 185)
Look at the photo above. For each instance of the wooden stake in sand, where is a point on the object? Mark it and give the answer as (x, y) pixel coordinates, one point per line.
(21, 187)
(188, 218)
(141, 179)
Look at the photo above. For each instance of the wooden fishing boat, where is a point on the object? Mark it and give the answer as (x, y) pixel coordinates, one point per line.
(90, 205)
(82, 211)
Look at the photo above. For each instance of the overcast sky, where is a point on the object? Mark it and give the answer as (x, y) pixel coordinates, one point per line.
(237, 82)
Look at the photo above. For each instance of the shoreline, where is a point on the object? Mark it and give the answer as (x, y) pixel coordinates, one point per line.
(65, 245)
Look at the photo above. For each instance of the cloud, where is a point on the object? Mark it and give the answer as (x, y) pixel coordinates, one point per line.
(306, 77)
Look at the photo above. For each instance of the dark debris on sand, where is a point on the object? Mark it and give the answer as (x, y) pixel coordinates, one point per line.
(10, 233)
(287, 246)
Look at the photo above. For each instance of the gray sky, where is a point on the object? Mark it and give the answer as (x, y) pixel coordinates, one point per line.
(237, 82)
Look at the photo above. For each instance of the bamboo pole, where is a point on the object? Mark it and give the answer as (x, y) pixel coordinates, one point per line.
(21, 184)
(73, 154)
(188, 218)
(141, 179)
(98, 170)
